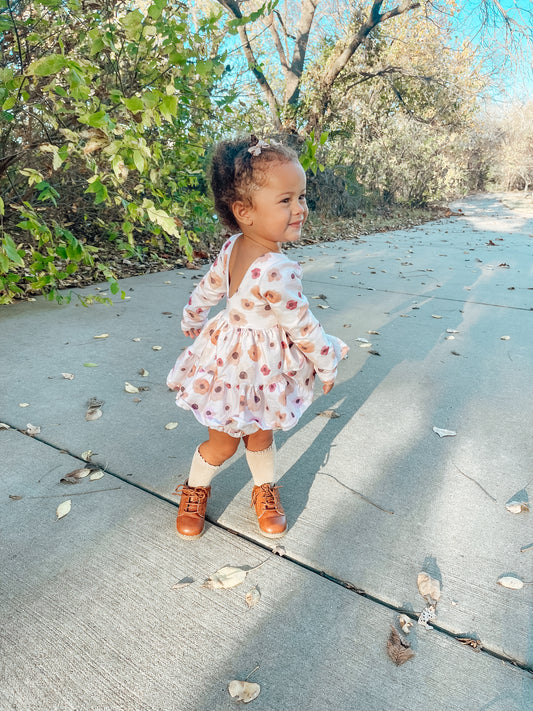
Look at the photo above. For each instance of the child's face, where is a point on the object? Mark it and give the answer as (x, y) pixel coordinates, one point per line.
(279, 209)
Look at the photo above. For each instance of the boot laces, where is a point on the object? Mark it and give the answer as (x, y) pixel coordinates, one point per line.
(192, 497)
(271, 500)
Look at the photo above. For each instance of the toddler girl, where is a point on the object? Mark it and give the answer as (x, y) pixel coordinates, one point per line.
(251, 368)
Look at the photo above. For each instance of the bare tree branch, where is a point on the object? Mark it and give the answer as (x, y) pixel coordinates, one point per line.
(279, 46)
(340, 61)
(233, 8)
(292, 88)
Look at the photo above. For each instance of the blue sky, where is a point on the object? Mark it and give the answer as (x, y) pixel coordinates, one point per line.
(514, 67)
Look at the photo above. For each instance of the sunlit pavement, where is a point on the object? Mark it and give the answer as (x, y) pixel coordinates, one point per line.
(439, 320)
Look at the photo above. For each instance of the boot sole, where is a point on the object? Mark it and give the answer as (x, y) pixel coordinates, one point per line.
(272, 535)
(190, 538)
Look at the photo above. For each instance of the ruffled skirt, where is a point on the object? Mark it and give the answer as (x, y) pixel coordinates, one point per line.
(241, 380)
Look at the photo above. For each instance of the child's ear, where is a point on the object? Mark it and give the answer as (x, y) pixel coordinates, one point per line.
(242, 213)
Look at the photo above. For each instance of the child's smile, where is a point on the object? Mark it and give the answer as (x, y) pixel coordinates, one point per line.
(279, 207)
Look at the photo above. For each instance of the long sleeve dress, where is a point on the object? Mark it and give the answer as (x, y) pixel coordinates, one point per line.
(253, 364)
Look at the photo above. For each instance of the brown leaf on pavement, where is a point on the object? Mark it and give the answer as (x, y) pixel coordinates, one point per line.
(398, 648)
(428, 587)
(332, 414)
(93, 413)
(226, 577)
(74, 476)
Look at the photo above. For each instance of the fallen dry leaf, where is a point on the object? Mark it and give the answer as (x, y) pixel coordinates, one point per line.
(74, 476)
(102, 335)
(14, 497)
(373, 333)
(226, 577)
(86, 456)
(332, 414)
(435, 316)
(183, 583)
(94, 402)
(24, 404)
(362, 340)
(97, 474)
(511, 582)
(93, 413)
(279, 550)
(68, 376)
(244, 691)
(471, 642)
(157, 348)
(505, 338)
(451, 330)
(32, 429)
(252, 597)
(428, 587)
(144, 373)
(90, 365)
(136, 340)
(516, 507)
(444, 433)
(171, 426)
(63, 509)
(398, 648)
(374, 353)
(322, 306)
(129, 388)
(405, 623)
(3, 426)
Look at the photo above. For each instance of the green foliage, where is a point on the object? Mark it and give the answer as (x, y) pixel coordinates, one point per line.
(106, 115)
(308, 155)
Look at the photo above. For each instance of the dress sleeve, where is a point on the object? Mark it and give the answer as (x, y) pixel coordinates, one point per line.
(208, 292)
(281, 286)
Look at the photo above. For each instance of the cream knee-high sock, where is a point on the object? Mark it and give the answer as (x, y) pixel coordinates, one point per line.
(263, 465)
(201, 472)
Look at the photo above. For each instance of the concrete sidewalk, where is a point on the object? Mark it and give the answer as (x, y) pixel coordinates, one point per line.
(91, 621)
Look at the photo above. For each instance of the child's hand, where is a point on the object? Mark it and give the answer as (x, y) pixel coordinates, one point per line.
(326, 387)
(193, 332)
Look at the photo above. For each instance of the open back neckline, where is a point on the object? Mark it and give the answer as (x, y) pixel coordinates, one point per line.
(230, 296)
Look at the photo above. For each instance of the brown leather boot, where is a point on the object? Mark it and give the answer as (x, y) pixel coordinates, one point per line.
(270, 513)
(191, 512)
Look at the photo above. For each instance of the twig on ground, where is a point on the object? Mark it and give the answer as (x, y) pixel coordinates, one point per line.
(75, 493)
(475, 482)
(365, 498)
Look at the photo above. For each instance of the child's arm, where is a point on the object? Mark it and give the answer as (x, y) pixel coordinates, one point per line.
(281, 286)
(207, 293)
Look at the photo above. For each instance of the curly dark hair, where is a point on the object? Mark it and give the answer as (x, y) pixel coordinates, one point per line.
(236, 173)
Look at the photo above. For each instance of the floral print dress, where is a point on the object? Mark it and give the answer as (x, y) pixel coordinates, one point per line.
(252, 366)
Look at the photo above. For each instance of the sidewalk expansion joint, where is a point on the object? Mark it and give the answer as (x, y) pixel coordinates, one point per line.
(316, 571)
(425, 295)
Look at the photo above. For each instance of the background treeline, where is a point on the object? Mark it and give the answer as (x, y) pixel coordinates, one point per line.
(109, 111)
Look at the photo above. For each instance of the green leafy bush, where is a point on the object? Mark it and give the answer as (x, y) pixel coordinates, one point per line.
(106, 114)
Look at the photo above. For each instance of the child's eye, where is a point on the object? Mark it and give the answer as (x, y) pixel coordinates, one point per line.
(302, 197)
